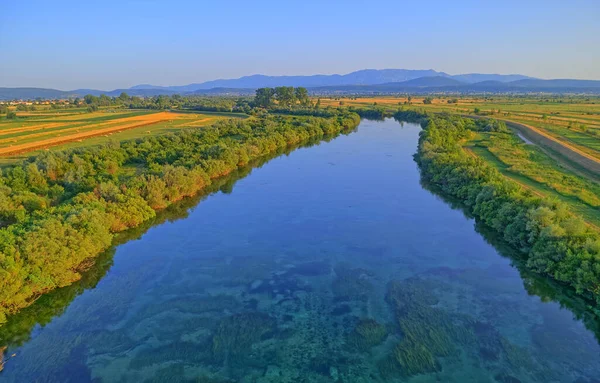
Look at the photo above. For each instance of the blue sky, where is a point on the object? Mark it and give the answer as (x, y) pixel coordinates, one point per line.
(114, 44)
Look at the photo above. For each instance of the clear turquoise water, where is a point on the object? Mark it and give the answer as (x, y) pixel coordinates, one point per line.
(330, 264)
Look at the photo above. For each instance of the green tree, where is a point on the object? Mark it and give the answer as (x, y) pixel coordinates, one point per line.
(285, 96)
(302, 96)
(90, 99)
(104, 100)
(264, 97)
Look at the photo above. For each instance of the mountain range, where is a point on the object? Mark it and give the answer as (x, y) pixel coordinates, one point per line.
(362, 81)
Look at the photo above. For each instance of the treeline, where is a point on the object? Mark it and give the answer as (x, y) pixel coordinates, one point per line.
(282, 97)
(373, 113)
(59, 210)
(176, 101)
(199, 103)
(556, 242)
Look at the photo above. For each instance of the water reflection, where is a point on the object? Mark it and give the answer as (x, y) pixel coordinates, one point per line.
(19, 327)
(547, 289)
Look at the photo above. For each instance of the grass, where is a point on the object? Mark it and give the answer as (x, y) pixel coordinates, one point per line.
(534, 170)
(573, 120)
(564, 164)
(30, 135)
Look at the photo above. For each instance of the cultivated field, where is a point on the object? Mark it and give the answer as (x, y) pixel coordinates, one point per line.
(562, 160)
(42, 130)
(574, 121)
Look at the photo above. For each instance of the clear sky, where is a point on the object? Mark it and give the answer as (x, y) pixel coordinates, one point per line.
(120, 43)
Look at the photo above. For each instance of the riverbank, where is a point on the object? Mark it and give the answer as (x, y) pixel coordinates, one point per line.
(325, 264)
(64, 208)
(556, 242)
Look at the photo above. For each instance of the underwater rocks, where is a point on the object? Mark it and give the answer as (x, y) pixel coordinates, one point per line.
(177, 352)
(505, 378)
(351, 284)
(341, 310)
(236, 334)
(283, 285)
(310, 269)
(401, 295)
(176, 373)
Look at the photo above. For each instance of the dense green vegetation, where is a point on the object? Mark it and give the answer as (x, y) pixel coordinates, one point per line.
(557, 243)
(197, 103)
(282, 96)
(60, 210)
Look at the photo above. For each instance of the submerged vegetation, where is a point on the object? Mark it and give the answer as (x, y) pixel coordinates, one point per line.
(557, 242)
(368, 333)
(60, 210)
(429, 334)
(251, 299)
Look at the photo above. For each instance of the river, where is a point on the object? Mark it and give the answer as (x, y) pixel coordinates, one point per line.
(330, 264)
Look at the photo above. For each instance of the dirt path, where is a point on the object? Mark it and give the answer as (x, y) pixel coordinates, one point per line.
(543, 139)
(574, 154)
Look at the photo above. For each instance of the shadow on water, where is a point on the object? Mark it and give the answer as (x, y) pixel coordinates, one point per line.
(543, 287)
(20, 327)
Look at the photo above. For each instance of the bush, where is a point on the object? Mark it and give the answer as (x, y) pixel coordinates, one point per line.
(553, 239)
(60, 210)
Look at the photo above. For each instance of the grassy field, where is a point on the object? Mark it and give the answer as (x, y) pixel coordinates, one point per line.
(533, 169)
(41, 130)
(554, 166)
(572, 120)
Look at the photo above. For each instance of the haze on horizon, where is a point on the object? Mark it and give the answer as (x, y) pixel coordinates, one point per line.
(70, 45)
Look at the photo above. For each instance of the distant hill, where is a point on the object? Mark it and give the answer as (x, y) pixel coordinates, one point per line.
(449, 85)
(31, 93)
(428, 82)
(44, 93)
(362, 81)
(558, 83)
(361, 77)
(480, 77)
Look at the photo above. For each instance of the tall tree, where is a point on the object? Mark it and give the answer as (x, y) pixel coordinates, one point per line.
(264, 97)
(302, 96)
(90, 99)
(285, 96)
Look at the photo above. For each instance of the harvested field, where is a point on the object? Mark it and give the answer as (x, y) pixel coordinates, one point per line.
(27, 135)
